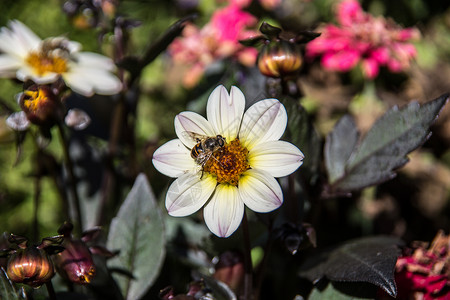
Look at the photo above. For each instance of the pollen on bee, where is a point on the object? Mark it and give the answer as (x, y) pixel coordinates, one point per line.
(228, 163)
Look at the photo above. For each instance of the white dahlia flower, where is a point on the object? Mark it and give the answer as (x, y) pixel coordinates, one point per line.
(240, 172)
(24, 55)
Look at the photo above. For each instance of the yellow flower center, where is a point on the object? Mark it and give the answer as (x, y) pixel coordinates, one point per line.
(45, 62)
(33, 99)
(228, 163)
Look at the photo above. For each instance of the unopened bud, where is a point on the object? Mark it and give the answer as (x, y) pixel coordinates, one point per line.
(75, 263)
(31, 266)
(279, 58)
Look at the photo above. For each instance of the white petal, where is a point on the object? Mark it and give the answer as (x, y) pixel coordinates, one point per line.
(18, 41)
(260, 191)
(28, 39)
(173, 159)
(278, 158)
(73, 47)
(265, 120)
(188, 193)
(191, 122)
(224, 212)
(8, 65)
(25, 73)
(101, 81)
(95, 60)
(225, 111)
(79, 84)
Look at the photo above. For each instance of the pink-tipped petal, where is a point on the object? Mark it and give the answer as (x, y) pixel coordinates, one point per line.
(188, 193)
(190, 122)
(278, 158)
(264, 121)
(260, 191)
(173, 159)
(224, 212)
(224, 111)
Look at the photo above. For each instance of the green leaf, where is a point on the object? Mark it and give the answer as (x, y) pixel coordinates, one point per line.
(7, 289)
(338, 152)
(370, 260)
(344, 291)
(382, 150)
(138, 232)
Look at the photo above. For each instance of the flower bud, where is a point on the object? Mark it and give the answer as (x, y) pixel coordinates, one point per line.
(279, 58)
(31, 266)
(75, 262)
(40, 105)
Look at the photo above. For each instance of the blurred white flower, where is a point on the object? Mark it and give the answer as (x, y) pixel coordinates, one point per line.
(25, 56)
(18, 121)
(77, 119)
(237, 174)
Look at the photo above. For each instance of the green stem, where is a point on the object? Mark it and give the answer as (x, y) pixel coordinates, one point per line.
(262, 267)
(248, 268)
(109, 180)
(37, 195)
(71, 177)
(50, 290)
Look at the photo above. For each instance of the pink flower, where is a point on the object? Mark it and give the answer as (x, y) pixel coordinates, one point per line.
(267, 4)
(360, 38)
(230, 23)
(197, 48)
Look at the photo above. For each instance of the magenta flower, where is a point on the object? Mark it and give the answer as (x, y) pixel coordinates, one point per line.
(361, 38)
(230, 24)
(424, 273)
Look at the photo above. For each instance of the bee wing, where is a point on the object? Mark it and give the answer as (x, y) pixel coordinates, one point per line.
(193, 136)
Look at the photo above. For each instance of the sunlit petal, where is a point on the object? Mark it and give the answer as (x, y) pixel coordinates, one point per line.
(173, 159)
(95, 60)
(190, 122)
(9, 65)
(278, 158)
(79, 84)
(188, 193)
(225, 111)
(24, 39)
(265, 120)
(26, 56)
(260, 191)
(224, 212)
(100, 81)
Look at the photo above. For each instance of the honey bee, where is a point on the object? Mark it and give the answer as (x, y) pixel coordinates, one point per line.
(58, 46)
(205, 148)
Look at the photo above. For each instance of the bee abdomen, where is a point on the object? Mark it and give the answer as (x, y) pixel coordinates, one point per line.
(196, 150)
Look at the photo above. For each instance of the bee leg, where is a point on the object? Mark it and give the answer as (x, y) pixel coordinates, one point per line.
(217, 160)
